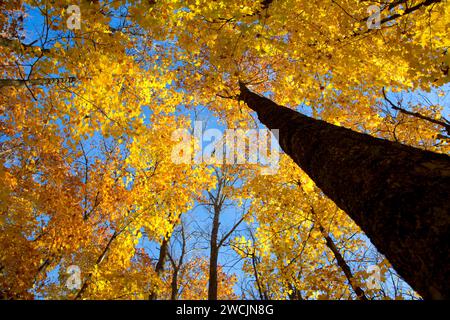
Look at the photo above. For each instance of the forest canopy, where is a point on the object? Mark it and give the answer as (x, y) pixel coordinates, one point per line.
(136, 160)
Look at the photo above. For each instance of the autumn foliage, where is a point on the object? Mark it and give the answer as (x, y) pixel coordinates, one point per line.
(87, 170)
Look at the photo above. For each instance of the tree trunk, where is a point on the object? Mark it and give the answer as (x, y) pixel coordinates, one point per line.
(159, 268)
(262, 292)
(214, 255)
(397, 194)
(342, 264)
(174, 285)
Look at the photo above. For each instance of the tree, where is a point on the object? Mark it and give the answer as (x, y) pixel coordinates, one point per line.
(401, 201)
(176, 265)
(227, 178)
(300, 245)
(87, 116)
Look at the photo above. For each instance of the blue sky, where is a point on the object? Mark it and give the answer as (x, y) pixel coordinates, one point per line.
(201, 216)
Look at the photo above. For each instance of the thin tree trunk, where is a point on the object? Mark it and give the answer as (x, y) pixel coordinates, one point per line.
(343, 264)
(262, 293)
(174, 285)
(97, 263)
(159, 268)
(214, 255)
(177, 265)
(397, 194)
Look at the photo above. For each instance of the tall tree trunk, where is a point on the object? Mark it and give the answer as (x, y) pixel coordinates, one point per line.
(397, 194)
(159, 268)
(214, 255)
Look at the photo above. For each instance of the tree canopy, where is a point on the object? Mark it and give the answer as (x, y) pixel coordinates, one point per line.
(92, 91)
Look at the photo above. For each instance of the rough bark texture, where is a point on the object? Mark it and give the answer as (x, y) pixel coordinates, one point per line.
(398, 195)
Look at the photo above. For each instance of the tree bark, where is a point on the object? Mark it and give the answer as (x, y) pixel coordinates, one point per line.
(97, 263)
(397, 194)
(343, 265)
(177, 265)
(214, 255)
(159, 268)
(174, 285)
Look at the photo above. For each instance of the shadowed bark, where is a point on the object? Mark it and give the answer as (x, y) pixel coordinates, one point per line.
(397, 194)
(343, 264)
(159, 268)
(214, 255)
(174, 285)
(177, 265)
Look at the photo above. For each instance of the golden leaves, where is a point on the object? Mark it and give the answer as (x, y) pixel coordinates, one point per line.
(84, 160)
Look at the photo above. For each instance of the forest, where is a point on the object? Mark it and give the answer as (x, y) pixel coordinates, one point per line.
(224, 149)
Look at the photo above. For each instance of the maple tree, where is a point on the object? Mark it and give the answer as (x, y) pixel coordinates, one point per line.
(87, 170)
(302, 243)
